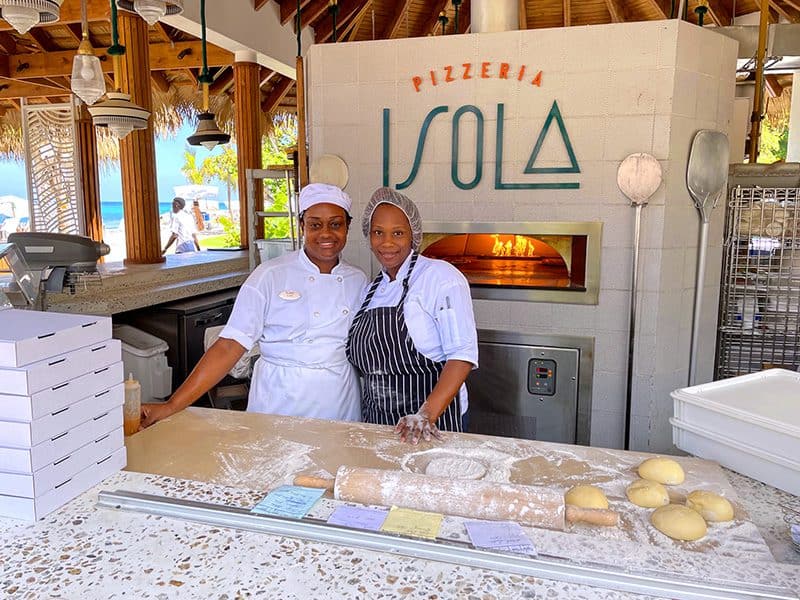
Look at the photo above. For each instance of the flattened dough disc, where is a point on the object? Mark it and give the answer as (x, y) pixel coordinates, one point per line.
(329, 169)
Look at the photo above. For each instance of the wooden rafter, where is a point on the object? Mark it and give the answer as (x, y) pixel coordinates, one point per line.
(787, 12)
(265, 75)
(180, 55)
(13, 88)
(401, 9)
(97, 10)
(433, 17)
(74, 31)
(355, 22)
(312, 12)
(222, 82)
(719, 13)
(162, 31)
(259, 4)
(523, 15)
(41, 38)
(160, 81)
(616, 9)
(464, 17)
(7, 43)
(661, 8)
(566, 9)
(347, 10)
(278, 92)
(773, 86)
(289, 9)
(795, 4)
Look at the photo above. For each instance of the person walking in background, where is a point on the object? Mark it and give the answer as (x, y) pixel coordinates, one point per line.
(198, 216)
(182, 229)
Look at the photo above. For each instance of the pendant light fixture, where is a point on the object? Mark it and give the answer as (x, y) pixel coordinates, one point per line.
(152, 10)
(117, 112)
(87, 77)
(207, 134)
(24, 14)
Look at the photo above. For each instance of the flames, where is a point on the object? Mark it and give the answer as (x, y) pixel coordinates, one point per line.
(520, 246)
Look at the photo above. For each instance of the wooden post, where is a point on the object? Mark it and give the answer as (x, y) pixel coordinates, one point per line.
(302, 150)
(89, 174)
(247, 99)
(758, 97)
(137, 150)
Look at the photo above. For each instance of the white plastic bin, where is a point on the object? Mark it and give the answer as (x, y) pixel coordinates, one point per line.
(144, 355)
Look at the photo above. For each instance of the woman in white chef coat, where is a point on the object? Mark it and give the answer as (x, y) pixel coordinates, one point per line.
(297, 308)
(414, 339)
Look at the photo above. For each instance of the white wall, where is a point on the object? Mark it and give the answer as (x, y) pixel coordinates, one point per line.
(236, 26)
(637, 87)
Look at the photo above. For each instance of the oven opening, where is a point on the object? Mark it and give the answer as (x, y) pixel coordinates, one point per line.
(512, 260)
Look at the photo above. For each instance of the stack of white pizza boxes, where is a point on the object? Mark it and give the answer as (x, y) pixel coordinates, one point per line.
(61, 397)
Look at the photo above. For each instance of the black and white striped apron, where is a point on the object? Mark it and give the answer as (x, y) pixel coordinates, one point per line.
(397, 378)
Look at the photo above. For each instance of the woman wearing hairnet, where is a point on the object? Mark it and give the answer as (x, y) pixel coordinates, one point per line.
(413, 339)
(297, 308)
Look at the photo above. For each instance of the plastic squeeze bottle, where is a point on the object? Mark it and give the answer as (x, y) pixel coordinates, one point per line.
(132, 409)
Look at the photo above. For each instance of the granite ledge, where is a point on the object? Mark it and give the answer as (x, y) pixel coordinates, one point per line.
(129, 287)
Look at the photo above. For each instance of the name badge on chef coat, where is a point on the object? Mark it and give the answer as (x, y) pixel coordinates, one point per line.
(289, 295)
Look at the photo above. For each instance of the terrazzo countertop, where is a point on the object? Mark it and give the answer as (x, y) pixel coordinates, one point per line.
(83, 551)
(127, 287)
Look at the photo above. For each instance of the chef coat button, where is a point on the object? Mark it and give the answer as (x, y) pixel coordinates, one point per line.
(310, 341)
(345, 311)
(316, 314)
(311, 278)
(339, 279)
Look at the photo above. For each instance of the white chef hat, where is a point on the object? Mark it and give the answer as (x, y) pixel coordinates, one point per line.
(318, 193)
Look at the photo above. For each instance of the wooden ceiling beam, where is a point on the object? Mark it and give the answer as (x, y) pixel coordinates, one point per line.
(42, 38)
(787, 12)
(773, 86)
(259, 4)
(565, 9)
(355, 23)
(720, 13)
(523, 14)
(394, 25)
(312, 12)
(97, 10)
(160, 81)
(277, 94)
(222, 82)
(464, 17)
(162, 31)
(432, 21)
(163, 57)
(75, 31)
(347, 10)
(616, 9)
(795, 4)
(12, 88)
(7, 43)
(660, 6)
(289, 9)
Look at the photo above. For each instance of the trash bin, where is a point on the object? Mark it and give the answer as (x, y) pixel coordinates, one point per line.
(144, 356)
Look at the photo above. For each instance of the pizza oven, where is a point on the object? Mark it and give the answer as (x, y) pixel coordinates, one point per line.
(530, 261)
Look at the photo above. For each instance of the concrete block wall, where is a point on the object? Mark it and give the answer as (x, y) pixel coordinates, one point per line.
(623, 88)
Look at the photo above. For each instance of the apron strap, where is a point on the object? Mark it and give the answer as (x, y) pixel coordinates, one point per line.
(375, 282)
(412, 264)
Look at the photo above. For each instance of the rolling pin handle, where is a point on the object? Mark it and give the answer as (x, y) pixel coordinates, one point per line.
(592, 516)
(324, 483)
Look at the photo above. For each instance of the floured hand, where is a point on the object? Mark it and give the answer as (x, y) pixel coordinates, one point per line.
(412, 427)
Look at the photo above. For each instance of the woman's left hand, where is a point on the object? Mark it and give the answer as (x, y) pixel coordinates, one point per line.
(412, 427)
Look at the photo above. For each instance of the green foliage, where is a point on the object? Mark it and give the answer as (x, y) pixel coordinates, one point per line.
(233, 237)
(774, 142)
(190, 169)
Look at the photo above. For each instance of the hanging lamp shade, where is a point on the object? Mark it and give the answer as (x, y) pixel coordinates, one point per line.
(24, 14)
(207, 133)
(152, 10)
(87, 81)
(119, 114)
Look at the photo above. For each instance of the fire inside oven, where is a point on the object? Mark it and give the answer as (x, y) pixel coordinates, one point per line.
(547, 262)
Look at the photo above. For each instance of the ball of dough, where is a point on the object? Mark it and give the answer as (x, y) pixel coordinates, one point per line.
(712, 507)
(586, 496)
(662, 470)
(646, 493)
(679, 522)
(455, 468)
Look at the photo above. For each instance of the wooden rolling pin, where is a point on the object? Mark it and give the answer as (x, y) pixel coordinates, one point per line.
(524, 504)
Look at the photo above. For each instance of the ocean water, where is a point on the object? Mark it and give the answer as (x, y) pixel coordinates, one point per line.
(112, 212)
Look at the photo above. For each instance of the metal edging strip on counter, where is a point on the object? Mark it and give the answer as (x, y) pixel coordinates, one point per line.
(651, 584)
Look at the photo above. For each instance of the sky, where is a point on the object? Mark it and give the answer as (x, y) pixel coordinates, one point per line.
(169, 159)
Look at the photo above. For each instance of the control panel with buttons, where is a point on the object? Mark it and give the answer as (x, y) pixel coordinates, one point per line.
(542, 377)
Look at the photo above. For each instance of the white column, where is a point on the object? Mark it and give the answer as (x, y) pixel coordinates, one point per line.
(793, 151)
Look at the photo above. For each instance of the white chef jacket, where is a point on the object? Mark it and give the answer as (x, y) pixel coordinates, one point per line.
(300, 318)
(184, 227)
(438, 311)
